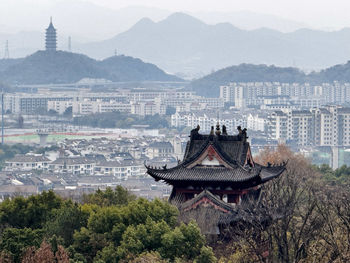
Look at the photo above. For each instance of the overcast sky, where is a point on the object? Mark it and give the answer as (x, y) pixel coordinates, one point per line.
(319, 13)
(316, 13)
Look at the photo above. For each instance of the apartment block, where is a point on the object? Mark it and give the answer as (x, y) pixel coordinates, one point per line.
(326, 126)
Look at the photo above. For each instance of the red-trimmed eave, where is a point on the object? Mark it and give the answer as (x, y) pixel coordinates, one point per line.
(240, 191)
(206, 200)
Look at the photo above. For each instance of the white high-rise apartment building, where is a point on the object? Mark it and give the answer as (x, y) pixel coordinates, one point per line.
(332, 126)
(291, 126)
(327, 126)
(256, 123)
(240, 97)
(227, 93)
(278, 126)
(207, 119)
(302, 95)
(300, 127)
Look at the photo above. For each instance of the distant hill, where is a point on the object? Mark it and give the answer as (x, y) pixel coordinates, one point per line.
(124, 68)
(64, 67)
(5, 63)
(182, 43)
(339, 72)
(250, 20)
(209, 85)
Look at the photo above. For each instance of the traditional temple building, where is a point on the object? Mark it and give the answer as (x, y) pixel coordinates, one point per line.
(51, 37)
(216, 176)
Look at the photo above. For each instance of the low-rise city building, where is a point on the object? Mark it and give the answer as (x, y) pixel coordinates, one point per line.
(27, 163)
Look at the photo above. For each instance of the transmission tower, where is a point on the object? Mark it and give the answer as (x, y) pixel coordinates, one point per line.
(7, 52)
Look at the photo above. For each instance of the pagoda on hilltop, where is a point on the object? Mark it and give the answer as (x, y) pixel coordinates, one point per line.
(218, 173)
(51, 37)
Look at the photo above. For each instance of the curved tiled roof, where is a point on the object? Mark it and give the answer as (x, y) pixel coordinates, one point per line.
(204, 174)
(231, 149)
(269, 173)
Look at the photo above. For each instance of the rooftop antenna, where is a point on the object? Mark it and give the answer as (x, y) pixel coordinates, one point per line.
(7, 52)
(115, 52)
(69, 44)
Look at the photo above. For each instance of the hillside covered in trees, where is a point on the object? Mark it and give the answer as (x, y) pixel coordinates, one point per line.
(209, 85)
(57, 67)
(305, 216)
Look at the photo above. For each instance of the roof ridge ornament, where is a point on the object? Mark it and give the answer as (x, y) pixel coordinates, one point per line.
(194, 132)
(212, 131)
(242, 134)
(217, 131)
(224, 130)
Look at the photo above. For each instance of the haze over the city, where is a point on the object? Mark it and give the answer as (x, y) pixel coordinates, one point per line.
(188, 131)
(30, 14)
(309, 35)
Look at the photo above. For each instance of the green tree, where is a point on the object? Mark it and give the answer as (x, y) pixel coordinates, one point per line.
(152, 256)
(143, 237)
(105, 219)
(120, 196)
(206, 256)
(184, 241)
(15, 241)
(9, 151)
(340, 176)
(139, 210)
(30, 212)
(107, 255)
(87, 243)
(65, 220)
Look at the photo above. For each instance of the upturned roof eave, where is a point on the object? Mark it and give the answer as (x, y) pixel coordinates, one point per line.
(157, 175)
(272, 176)
(261, 176)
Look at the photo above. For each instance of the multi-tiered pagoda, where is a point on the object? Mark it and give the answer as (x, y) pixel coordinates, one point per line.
(218, 171)
(51, 38)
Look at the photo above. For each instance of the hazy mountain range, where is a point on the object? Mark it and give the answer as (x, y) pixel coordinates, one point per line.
(25, 30)
(182, 44)
(97, 22)
(64, 67)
